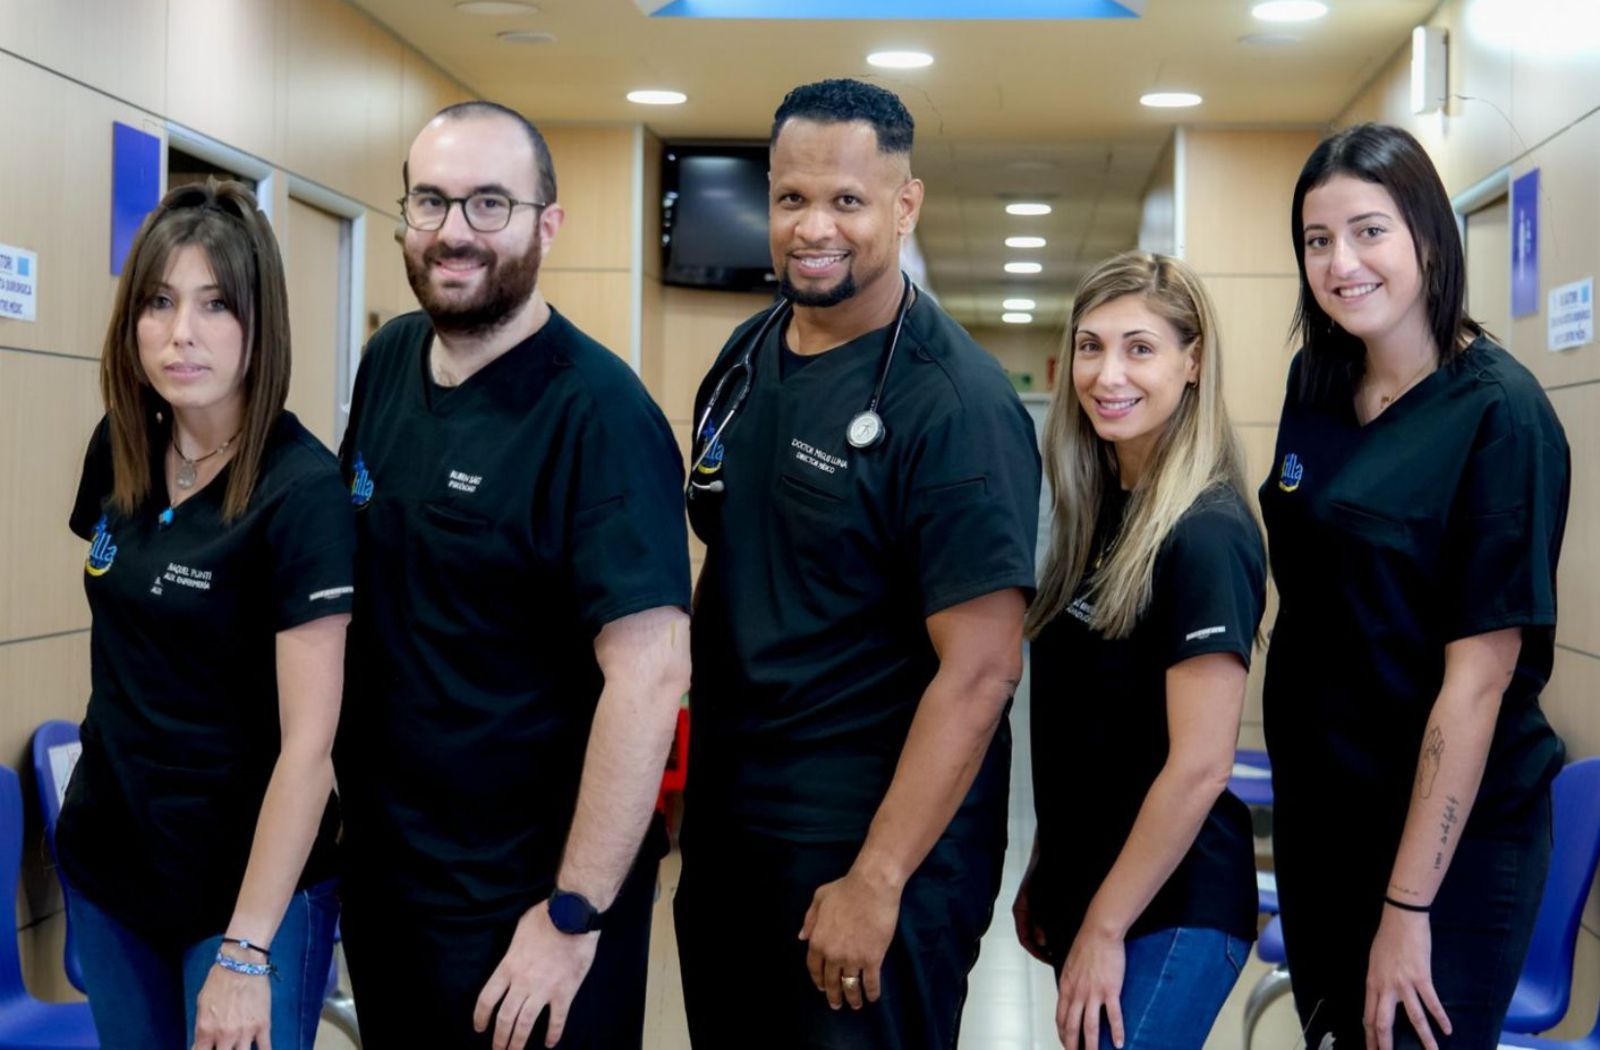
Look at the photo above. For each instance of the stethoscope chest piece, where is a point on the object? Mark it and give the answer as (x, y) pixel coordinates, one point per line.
(866, 429)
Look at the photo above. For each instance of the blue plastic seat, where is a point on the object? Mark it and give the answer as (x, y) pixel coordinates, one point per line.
(25, 1022)
(1545, 988)
(55, 751)
(1252, 777)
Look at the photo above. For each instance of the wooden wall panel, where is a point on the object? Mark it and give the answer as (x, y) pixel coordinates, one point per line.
(225, 65)
(652, 315)
(312, 260)
(1254, 314)
(597, 302)
(56, 170)
(119, 48)
(43, 679)
(41, 945)
(1237, 188)
(1022, 349)
(1579, 617)
(325, 82)
(48, 408)
(424, 91)
(594, 173)
(650, 234)
(696, 325)
(388, 292)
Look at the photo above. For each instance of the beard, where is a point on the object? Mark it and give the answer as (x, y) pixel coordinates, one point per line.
(845, 289)
(506, 287)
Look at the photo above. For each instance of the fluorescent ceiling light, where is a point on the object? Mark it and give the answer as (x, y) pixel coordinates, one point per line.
(1017, 318)
(1170, 99)
(1017, 304)
(1023, 267)
(900, 59)
(496, 7)
(1025, 208)
(1024, 242)
(657, 98)
(1289, 10)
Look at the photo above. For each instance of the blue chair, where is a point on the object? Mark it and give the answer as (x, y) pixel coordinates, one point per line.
(55, 752)
(25, 1022)
(1545, 988)
(1514, 1041)
(1252, 777)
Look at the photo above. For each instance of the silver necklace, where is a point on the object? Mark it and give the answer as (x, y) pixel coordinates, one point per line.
(189, 469)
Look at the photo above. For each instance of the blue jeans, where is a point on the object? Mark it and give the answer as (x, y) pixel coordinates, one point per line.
(1173, 986)
(142, 995)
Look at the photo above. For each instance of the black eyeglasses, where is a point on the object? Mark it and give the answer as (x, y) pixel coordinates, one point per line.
(484, 212)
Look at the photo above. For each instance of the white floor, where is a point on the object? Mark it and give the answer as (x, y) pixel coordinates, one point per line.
(1011, 1004)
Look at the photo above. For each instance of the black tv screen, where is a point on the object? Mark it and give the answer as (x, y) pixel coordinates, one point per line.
(714, 216)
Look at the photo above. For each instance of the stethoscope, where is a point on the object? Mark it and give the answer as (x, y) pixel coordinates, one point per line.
(866, 427)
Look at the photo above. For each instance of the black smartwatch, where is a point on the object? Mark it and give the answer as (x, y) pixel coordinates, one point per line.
(572, 913)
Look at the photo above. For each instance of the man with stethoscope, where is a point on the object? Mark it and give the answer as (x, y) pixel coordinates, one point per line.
(866, 483)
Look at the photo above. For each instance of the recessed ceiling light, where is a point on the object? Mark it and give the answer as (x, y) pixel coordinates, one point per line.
(1017, 318)
(1170, 99)
(1025, 208)
(658, 98)
(495, 7)
(1017, 304)
(1024, 242)
(526, 36)
(1289, 10)
(900, 59)
(1023, 267)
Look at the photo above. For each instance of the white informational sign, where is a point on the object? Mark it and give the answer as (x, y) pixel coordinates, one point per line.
(19, 284)
(62, 758)
(1571, 314)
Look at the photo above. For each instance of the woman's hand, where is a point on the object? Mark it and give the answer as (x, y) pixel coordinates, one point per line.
(1400, 973)
(1029, 934)
(234, 1011)
(1091, 981)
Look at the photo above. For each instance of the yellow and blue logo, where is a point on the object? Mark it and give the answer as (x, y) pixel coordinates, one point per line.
(361, 486)
(711, 462)
(102, 552)
(1293, 471)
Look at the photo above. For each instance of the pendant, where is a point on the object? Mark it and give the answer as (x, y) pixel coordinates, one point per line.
(187, 474)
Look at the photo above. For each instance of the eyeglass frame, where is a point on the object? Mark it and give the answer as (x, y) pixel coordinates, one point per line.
(450, 202)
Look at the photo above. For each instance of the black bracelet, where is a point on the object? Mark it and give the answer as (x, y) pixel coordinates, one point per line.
(1421, 909)
(248, 945)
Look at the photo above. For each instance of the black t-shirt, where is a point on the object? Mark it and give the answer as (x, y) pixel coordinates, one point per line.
(1099, 723)
(824, 561)
(1440, 519)
(501, 524)
(182, 730)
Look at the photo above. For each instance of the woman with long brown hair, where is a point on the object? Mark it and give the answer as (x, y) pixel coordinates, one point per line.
(1142, 890)
(197, 832)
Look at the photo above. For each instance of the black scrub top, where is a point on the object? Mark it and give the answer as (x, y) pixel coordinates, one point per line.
(501, 524)
(1440, 519)
(1099, 726)
(824, 561)
(182, 730)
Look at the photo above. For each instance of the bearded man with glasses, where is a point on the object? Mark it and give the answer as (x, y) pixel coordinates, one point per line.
(519, 642)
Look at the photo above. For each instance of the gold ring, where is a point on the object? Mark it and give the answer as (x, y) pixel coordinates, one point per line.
(849, 982)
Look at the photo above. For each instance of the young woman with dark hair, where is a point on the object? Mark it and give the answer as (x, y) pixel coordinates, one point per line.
(1414, 515)
(198, 827)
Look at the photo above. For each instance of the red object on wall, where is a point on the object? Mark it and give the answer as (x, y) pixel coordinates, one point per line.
(677, 771)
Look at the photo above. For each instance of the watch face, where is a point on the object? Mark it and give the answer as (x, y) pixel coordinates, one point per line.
(571, 913)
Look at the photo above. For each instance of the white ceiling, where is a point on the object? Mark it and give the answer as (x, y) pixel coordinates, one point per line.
(1008, 110)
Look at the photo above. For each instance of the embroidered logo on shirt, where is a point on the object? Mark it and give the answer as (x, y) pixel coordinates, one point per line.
(467, 483)
(331, 592)
(812, 457)
(1205, 632)
(185, 576)
(1081, 610)
(1289, 479)
(711, 462)
(361, 484)
(102, 552)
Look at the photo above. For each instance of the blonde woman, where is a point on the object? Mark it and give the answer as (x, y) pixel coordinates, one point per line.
(1141, 891)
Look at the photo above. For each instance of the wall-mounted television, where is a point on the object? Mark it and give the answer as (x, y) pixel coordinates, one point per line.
(714, 216)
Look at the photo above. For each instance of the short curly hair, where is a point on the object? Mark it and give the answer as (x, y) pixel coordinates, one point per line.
(841, 101)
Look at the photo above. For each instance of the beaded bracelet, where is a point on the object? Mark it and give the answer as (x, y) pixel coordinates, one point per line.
(228, 962)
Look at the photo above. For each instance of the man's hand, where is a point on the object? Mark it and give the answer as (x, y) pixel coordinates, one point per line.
(543, 968)
(849, 926)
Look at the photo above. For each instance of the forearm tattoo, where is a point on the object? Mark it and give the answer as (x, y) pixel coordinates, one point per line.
(1446, 823)
(1428, 765)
